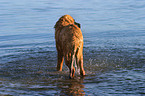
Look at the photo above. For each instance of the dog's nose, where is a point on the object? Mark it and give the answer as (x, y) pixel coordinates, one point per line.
(78, 24)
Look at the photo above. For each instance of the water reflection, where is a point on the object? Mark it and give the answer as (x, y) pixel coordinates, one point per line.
(71, 87)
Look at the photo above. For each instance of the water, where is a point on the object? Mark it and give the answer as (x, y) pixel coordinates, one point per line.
(114, 48)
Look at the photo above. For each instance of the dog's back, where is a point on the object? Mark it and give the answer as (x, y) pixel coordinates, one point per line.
(70, 36)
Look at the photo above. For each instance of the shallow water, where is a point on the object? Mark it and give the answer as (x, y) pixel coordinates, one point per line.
(114, 52)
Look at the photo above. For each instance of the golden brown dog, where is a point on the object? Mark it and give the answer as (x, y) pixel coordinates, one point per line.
(69, 44)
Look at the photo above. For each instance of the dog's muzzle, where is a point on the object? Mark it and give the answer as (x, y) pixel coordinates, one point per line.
(78, 24)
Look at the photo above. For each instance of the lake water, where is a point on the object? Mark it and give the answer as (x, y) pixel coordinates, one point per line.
(114, 48)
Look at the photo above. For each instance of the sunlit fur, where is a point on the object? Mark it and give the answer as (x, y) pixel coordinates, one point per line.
(69, 44)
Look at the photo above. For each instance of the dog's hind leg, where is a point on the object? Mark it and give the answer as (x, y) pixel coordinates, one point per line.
(60, 59)
(79, 60)
(69, 60)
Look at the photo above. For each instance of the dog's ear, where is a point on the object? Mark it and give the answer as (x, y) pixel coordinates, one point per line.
(78, 24)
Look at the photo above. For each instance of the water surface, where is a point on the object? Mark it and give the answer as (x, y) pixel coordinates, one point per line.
(114, 48)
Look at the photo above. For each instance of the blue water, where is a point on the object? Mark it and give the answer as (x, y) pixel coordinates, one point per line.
(114, 48)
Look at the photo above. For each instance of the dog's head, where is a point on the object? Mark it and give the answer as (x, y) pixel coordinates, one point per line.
(65, 21)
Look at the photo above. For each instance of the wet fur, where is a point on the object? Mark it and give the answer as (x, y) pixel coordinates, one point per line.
(69, 44)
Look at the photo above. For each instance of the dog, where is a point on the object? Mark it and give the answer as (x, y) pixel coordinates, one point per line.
(69, 44)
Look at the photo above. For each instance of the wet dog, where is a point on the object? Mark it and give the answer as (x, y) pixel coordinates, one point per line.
(69, 44)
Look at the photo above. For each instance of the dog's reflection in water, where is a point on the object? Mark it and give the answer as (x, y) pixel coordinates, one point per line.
(73, 87)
